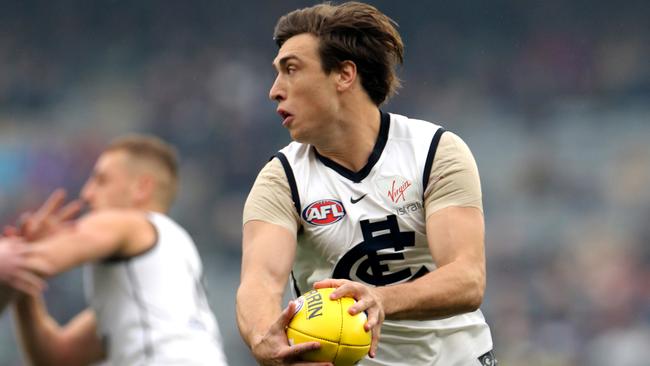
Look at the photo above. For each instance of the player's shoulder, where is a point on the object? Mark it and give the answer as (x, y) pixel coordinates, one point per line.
(407, 126)
(452, 141)
(108, 216)
(273, 169)
(293, 149)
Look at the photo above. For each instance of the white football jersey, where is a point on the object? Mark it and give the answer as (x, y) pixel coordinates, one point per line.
(369, 226)
(152, 308)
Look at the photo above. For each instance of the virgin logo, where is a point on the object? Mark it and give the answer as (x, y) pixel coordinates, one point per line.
(397, 192)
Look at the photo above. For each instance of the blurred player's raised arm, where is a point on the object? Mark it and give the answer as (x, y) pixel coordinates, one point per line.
(96, 236)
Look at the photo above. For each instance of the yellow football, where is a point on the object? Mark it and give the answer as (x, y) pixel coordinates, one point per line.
(341, 335)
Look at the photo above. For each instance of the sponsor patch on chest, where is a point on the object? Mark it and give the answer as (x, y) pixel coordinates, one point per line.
(324, 212)
(397, 190)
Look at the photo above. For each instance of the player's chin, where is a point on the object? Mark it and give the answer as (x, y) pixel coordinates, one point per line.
(295, 136)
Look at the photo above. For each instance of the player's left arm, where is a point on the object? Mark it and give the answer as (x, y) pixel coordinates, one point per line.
(95, 236)
(455, 287)
(455, 235)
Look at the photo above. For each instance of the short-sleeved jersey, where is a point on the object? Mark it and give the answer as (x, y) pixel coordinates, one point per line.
(370, 226)
(152, 308)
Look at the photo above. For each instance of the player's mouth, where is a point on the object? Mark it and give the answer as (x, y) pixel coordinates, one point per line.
(286, 117)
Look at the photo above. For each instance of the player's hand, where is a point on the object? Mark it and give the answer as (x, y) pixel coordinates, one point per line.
(49, 218)
(13, 268)
(367, 300)
(273, 349)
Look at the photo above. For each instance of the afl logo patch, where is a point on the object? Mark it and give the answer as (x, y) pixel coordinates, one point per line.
(299, 303)
(324, 212)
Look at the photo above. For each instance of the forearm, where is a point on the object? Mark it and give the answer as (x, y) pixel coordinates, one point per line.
(257, 308)
(37, 331)
(264, 278)
(452, 289)
(83, 243)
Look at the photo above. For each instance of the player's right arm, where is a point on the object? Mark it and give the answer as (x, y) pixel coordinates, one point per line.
(45, 343)
(98, 235)
(13, 274)
(268, 252)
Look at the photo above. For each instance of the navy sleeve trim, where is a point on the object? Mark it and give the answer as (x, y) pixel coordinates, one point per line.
(296, 290)
(430, 156)
(145, 323)
(118, 259)
(292, 180)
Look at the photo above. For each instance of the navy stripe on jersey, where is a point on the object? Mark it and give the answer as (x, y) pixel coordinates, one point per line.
(115, 258)
(296, 290)
(292, 180)
(430, 156)
(357, 177)
(144, 314)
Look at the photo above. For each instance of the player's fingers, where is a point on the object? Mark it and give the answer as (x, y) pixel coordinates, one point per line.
(53, 202)
(36, 264)
(300, 348)
(286, 316)
(27, 224)
(70, 210)
(347, 289)
(21, 222)
(373, 324)
(10, 231)
(329, 283)
(28, 283)
(373, 319)
(360, 306)
(374, 342)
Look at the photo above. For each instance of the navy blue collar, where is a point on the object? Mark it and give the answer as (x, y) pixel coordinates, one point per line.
(357, 177)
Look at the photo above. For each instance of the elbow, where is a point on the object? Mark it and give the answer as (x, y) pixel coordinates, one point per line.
(474, 301)
(475, 292)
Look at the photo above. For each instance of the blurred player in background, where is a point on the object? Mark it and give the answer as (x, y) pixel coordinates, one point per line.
(143, 273)
(385, 208)
(13, 274)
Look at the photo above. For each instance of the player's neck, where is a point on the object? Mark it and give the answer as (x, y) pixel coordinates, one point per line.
(352, 138)
(153, 207)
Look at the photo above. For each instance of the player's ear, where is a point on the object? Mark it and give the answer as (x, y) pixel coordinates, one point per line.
(145, 188)
(346, 75)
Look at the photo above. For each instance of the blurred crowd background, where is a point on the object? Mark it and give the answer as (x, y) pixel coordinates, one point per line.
(553, 97)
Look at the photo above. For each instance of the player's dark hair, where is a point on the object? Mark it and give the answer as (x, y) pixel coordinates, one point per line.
(355, 32)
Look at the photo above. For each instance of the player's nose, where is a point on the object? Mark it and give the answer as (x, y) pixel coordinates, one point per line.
(87, 192)
(277, 92)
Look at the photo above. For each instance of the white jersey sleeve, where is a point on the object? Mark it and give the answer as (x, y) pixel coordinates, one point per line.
(152, 309)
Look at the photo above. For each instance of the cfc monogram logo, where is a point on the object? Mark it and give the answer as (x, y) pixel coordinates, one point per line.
(370, 265)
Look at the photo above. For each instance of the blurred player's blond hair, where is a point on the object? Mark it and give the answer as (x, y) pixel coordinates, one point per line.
(152, 156)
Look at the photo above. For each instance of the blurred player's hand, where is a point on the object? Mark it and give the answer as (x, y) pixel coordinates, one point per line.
(273, 349)
(367, 300)
(49, 218)
(13, 270)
